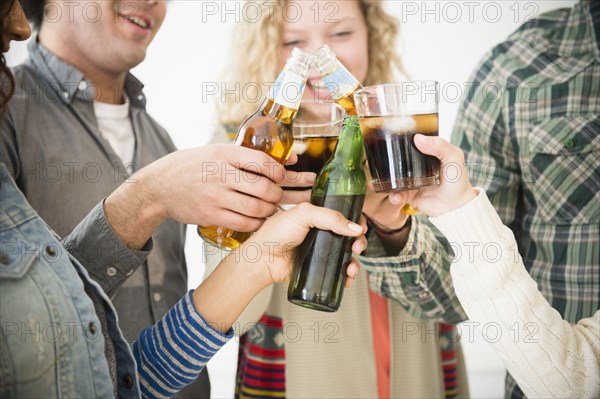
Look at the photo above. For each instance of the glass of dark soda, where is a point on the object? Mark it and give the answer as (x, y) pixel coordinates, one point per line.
(390, 116)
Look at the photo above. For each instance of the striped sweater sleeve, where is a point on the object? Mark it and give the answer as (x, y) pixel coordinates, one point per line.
(547, 356)
(171, 353)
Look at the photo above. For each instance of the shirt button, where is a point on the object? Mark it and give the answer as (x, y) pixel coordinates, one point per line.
(157, 297)
(51, 251)
(111, 271)
(82, 85)
(570, 143)
(92, 328)
(140, 97)
(128, 381)
(65, 95)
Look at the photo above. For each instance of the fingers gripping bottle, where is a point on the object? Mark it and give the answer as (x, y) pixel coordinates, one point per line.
(268, 129)
(319, 272)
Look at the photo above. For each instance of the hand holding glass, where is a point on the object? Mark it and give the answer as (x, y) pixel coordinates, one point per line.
(390, 116)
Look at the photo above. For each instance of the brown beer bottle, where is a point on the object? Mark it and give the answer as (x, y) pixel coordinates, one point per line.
(319, 272)
(340, 83)
(269, 129)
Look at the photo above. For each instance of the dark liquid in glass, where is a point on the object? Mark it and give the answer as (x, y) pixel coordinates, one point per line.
(394, 161)
(313, 153)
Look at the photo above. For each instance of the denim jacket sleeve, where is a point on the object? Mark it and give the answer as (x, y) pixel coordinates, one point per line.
(106, 258)
(419, 276)
(51, 341)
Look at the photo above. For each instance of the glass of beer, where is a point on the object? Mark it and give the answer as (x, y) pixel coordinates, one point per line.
(390, 116)
(316, 130)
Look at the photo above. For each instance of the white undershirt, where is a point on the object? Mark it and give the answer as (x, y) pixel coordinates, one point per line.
(115, 126)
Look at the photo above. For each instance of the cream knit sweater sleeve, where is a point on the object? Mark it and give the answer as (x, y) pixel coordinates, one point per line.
(547, 356)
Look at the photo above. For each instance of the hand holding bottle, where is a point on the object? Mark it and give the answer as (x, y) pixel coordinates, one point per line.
(267, 258)
(281, 234)
(319, 274)
(217, 184)
(268, 130)
(222, 183)
(455, 189)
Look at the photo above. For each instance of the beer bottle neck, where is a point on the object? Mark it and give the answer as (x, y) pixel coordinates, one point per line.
(277, 111)
(300, 62)
(340, 82)
(349, 149)
(344, 174)
(286, 93)
(285, 96)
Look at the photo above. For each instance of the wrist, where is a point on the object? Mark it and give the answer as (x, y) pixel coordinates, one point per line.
(384, 231)
(469, 196)
(460, 202)
(133, 213)
(143, 191)
(253, 257)
(392, 240)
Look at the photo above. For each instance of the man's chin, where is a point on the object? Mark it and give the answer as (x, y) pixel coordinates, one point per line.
(133, 59)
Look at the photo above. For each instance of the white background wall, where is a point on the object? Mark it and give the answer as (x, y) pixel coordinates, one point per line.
(441, 40)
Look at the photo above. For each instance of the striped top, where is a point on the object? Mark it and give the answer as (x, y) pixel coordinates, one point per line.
(172, 353)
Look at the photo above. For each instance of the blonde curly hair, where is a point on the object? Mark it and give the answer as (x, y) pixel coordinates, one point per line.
(254, 53)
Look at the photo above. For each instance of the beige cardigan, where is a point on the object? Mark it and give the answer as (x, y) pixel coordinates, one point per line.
(330, 355)
(558, 360)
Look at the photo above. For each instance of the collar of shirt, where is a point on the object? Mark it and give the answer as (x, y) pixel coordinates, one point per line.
(69, 83)
(581, 22)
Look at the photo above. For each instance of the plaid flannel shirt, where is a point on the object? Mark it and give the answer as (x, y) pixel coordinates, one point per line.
(535, 149)
(419, 276)
(530, 129)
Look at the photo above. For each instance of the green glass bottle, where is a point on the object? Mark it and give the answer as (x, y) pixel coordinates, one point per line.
(319, 272)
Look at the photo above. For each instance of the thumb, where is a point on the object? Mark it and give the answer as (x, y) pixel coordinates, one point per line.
(326, 219)
(439, 148)
(430, 145)
(400, 198)
(293, 158)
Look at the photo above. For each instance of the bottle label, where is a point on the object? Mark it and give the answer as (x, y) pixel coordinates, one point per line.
(288, 89)
(339, 82)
